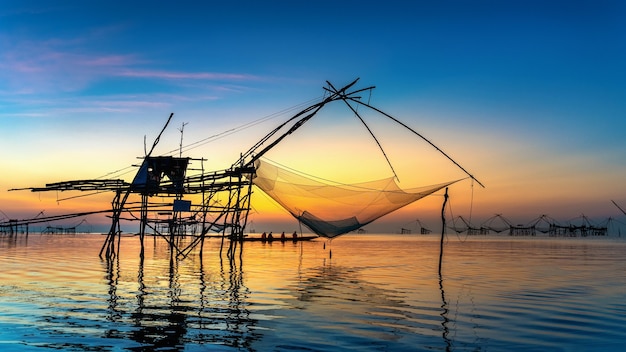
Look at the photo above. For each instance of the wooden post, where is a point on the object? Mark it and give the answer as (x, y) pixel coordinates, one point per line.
(443, 227)
(144, 221)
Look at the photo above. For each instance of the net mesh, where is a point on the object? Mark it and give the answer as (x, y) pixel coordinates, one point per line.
(330, 209)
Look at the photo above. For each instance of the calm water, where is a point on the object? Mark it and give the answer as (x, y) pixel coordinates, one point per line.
(376, 292)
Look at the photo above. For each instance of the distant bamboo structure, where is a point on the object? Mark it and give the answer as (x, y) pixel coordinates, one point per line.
(542, 224)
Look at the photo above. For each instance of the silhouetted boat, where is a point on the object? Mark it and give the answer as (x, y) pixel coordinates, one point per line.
(279, 239)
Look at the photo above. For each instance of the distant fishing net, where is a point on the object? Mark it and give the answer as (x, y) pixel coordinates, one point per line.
(329, 209)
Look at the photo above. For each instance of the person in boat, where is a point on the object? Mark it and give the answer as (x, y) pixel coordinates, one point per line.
(295, 235)
(270, 237)
(263, 236)
(282, 236)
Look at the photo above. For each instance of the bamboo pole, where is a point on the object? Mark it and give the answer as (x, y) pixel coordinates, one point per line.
(443, 227)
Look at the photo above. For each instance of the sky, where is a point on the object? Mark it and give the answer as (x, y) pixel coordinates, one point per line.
(528, 96)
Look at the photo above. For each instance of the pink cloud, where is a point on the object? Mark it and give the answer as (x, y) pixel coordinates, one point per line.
(185, 75)
(61, 65)
(35, 66)
(109, 61)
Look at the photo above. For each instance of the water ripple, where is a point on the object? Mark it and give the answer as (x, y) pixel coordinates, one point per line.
(374, 294)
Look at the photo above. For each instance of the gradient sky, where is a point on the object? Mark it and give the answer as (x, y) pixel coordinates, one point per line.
(529, 96)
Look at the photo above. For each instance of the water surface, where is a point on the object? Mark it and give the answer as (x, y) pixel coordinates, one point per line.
(375, 292)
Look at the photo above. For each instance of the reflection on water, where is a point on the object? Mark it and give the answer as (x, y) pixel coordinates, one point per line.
(168, 314)
(375, 293)
(444, 314)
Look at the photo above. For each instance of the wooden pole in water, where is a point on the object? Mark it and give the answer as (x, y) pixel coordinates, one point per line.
(144, 221)
(443, 227)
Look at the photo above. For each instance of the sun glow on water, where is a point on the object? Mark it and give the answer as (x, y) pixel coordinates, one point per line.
(375, 290)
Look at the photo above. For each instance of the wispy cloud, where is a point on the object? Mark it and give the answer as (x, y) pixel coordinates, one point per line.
(44, 107)
(40, 68)
(72, 65)
(108, 61)
(172, 75)
(62, 76)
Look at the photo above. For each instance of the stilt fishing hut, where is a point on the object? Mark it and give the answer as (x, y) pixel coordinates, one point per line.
(166, 177)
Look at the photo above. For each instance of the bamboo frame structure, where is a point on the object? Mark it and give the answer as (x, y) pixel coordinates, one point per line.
(166, 177)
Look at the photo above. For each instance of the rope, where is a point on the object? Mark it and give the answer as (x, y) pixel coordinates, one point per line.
(419, 135)
(115, 172)
(471, 201)
(454, 224)
(215, 137)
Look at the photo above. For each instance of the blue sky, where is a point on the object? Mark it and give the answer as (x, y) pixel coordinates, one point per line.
(530, 96)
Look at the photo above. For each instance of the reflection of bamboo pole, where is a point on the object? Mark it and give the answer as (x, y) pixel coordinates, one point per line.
(443, 227)
(444, 314)
(444, 303)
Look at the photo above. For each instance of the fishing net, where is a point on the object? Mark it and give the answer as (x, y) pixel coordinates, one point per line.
(332, 209)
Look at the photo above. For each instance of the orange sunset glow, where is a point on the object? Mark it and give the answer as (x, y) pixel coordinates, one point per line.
(529, 116)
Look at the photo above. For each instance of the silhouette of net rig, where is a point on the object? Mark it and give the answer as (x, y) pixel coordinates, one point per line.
(225, 195)
(166, 177)
(498, 224)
